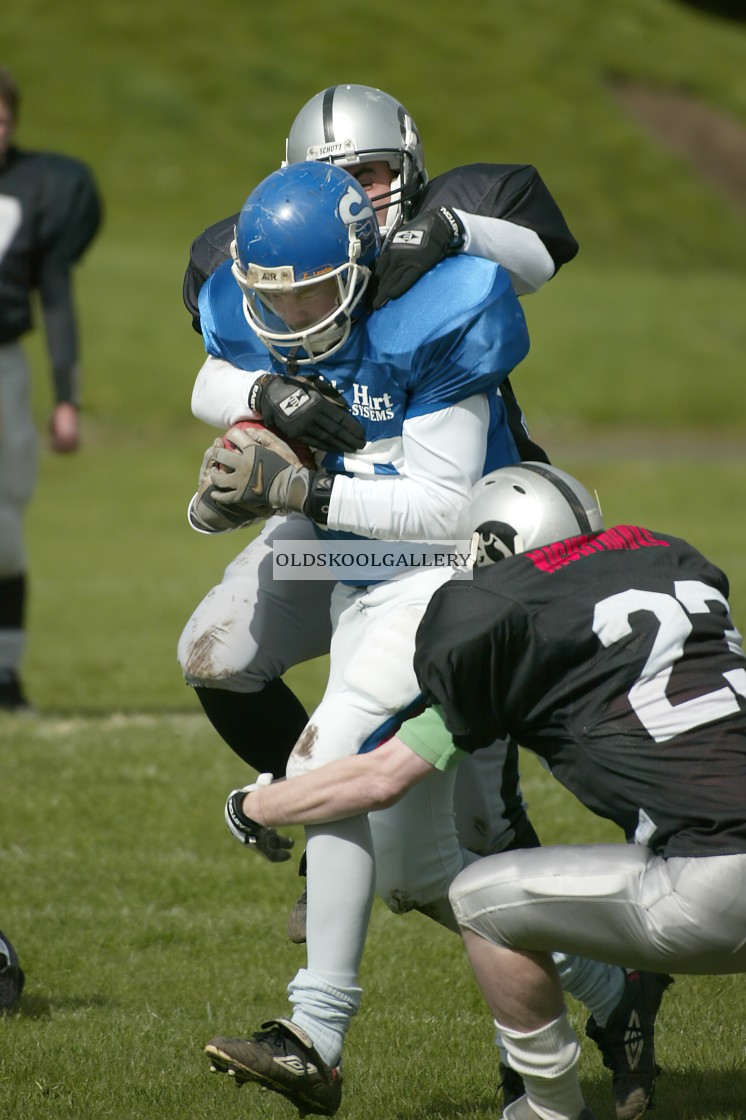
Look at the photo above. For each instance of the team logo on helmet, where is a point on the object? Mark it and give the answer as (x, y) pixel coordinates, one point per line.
(496, 540)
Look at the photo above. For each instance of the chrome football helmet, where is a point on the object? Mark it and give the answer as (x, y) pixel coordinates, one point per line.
(350, 125)
(305, 242)
(517, 508)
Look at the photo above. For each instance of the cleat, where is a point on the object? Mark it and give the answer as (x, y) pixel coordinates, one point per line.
(627, 1042)
(281, 1057)
(520, 1109)
(11, 977)
(12, 697)
(511, 1085)
(297, 920)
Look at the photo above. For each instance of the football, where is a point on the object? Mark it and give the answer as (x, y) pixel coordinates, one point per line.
(302, 450)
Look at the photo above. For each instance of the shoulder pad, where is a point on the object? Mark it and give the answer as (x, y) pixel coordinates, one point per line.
(69, 203)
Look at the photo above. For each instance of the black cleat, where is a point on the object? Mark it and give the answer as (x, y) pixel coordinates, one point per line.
(283, 1058)
(11, 977)
(297, 920)
(627, 1042)
(511, 1085)
(12, 697)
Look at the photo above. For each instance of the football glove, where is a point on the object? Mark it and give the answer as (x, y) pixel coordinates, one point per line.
(413, 250)
(205, 514)
(307, 409)
(260, 475)
(267, 841)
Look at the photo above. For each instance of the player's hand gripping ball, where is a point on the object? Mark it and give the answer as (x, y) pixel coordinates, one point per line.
(302, 451)
(256, 472)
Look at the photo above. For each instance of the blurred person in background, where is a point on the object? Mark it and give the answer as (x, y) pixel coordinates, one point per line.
(11, 976)
(50, 211)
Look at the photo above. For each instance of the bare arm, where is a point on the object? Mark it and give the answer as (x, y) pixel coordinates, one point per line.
(344, 788)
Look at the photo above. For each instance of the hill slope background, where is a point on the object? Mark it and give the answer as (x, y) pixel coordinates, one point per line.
(635, 374)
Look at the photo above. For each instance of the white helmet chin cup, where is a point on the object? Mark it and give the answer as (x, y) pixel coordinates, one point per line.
(518, 508)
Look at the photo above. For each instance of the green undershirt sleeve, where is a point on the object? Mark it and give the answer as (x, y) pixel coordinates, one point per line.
(428, 737)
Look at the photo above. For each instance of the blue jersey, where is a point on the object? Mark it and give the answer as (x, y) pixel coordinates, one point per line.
(458, 332)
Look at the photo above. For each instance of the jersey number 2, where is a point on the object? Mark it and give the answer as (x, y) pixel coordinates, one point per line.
(660, 718)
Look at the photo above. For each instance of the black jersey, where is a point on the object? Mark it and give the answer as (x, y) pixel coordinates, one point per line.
(50, 210)
(614, 658)
(514, 192)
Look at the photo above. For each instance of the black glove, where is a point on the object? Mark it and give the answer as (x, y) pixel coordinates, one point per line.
(267, 841)
(307, 409)
(413, 250)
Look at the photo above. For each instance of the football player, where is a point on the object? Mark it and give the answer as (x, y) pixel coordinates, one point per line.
(50, 211)
(612, 655)
(420, 376)
(500, 211)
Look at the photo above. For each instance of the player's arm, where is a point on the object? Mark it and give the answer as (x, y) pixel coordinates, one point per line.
(503, 212)
(70, 214)
(58, 311)
(519, 250)
(345, 788)
(519, 225)
(444, 455)
(300, 408)
(221, 392)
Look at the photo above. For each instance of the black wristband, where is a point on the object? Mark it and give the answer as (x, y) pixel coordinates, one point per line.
(247, 825)
(457, 241)
(316, 505)
(255, 393)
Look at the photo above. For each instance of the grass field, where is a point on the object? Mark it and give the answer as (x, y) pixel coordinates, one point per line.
(145, 930)
(142, 927)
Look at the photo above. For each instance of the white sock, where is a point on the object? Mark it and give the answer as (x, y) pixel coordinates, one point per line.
(598, 986)
(547, 1061)
(324, 1011)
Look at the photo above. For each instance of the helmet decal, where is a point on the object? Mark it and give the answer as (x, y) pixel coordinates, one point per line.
(496, 540)
(525, 506)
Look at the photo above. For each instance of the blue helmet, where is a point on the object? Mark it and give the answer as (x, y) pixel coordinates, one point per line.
(306, 237)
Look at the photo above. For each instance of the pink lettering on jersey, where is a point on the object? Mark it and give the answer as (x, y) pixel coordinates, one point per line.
(558, 555)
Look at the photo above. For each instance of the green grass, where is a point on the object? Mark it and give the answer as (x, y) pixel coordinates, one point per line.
(142, 927)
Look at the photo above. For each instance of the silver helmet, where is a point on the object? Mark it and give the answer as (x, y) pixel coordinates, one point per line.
(353, 124)
(514, 509)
